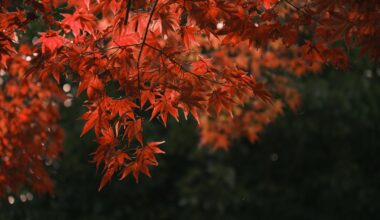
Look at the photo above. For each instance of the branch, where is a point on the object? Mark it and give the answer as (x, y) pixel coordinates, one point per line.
(301, 11)
(128, 10)
(181, 66)
(289, 2)
(143, 43)
(108, 48)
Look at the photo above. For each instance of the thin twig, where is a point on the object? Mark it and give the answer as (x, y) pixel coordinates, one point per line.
(142, 46)
(109, 48)
(181, 66)
(128, 10)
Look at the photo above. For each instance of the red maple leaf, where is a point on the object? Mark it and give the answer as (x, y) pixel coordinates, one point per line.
(268, 3)
(51, 41)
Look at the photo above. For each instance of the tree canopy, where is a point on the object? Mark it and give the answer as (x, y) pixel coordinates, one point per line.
(135, 62)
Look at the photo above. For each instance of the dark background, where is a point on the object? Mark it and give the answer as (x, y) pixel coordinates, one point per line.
(320, 162)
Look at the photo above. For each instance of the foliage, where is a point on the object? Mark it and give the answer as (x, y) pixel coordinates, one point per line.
(145, 60)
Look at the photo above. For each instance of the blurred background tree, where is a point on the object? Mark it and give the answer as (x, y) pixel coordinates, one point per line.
(317, 163)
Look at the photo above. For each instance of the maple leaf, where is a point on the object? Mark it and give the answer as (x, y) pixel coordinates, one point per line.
(168, 23)
(54, 69)
(260, 91)
(95, 86)
(80, 20)
(106, 178)
(212, 11)
(122, 107)
(188, 37)
(164, 106)
(50, 40)
(313, 52)
(191, 101)
(220, 99)
(148, 95)
(108, 137)
(145, 157)
(133, 129)
(122, 157)
(92, 118)
(268, 3)
(127, 39)
(232, 38)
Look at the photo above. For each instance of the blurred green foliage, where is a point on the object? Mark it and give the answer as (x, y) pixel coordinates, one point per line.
(320, 162)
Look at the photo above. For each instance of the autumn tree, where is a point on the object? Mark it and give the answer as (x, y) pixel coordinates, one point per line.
(137, 61)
